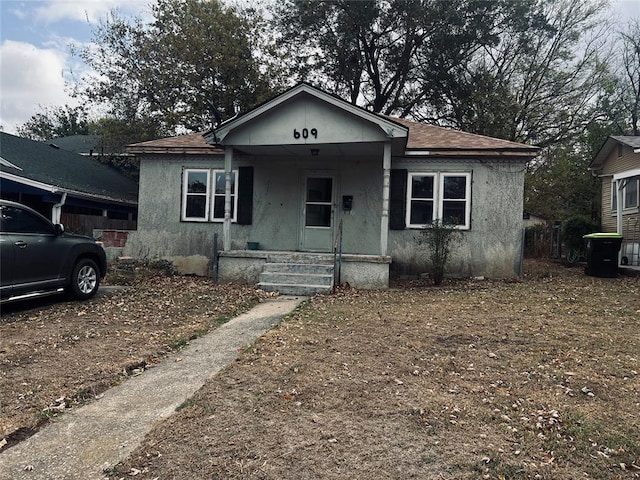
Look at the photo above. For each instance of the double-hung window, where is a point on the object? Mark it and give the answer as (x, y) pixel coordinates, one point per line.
(439, 196)
(203, 195)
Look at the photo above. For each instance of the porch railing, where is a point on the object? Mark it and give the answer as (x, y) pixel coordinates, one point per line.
(337, 257)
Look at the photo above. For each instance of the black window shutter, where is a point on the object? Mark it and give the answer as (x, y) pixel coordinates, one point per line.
(245, 195)
(398, 199)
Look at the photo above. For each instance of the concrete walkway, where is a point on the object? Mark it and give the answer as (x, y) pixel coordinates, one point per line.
(95, 437)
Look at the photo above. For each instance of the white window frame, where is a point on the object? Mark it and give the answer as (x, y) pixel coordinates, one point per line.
(438, 198)
(210, 195)
(185, 194)
(614, 196)
(234, 196)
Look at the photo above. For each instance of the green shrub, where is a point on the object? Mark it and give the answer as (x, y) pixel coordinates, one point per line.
(439, 237)
(574, 228)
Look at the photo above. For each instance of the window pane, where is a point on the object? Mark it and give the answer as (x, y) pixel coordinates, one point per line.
(421, 212)
(453, 213)
(319, 189)
(421, 187)
(631, 194)
(220, 183)
(455, 187)
(218, 207)
(197, 182)
(196, 206)
(614, 197)
(318, 216)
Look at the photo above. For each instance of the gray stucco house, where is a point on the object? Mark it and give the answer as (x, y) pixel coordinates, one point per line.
(279, 184)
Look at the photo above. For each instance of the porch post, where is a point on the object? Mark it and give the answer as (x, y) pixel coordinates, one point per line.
(620, 184)
(386, 180)
(226, 226)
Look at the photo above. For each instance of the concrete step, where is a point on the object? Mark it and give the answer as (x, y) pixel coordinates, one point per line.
(308, 268)
(301, 290)
(296, 278)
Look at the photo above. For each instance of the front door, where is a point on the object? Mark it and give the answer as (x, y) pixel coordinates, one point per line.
(318, 213)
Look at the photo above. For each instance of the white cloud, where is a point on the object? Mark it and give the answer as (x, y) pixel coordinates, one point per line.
(85, 10)
(29, 77)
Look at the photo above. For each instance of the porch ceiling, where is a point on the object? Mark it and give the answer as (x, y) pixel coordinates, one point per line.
(368, 149)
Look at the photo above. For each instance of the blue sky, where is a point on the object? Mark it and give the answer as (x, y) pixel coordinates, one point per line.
(35, 61)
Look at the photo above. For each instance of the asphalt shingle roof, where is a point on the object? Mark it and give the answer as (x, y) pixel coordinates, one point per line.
(65, 170)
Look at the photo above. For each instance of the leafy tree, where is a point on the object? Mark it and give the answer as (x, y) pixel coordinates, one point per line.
(387, 55)
(55, 122)
(194, 61)
(115, 134)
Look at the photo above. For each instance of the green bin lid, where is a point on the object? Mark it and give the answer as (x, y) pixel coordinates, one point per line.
(603, 235)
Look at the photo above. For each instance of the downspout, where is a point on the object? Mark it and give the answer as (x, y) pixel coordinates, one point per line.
(56, 210)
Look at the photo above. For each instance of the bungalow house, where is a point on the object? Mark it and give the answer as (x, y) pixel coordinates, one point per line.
(617, 164)
(306, 174)
(66, 187)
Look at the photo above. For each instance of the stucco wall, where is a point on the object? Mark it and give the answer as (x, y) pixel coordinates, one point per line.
(492, 246)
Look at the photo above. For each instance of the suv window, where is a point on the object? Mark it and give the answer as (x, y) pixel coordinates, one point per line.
(16, 220)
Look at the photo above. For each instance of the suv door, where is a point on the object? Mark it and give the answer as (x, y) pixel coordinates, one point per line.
(37, 260)
(6, 260)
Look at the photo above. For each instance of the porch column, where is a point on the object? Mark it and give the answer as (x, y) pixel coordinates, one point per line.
(386, 180)
(620, 184)
(226, 226)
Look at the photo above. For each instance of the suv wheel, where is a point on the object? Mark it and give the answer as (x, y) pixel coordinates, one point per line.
(85, 279)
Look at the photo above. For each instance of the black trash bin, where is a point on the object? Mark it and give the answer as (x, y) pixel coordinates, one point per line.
(602, 254)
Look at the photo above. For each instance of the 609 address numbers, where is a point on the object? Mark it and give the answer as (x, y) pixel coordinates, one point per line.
(305, 133)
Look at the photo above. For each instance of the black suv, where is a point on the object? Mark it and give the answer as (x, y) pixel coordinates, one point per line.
(37, 257)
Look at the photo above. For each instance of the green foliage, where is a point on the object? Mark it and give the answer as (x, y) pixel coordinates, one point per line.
(192, 60)
(574, 228)
(55, 122)
(559, 184)
(439, 238)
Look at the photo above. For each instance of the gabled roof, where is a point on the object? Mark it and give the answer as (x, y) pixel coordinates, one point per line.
(58, 171)
(610, 143)
(392, 129)
(415, 138)
(182, 144)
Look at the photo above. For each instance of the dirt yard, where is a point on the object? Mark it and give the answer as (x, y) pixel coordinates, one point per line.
(537, 378)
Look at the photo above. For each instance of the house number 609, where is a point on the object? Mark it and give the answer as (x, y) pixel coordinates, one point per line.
(305, 133)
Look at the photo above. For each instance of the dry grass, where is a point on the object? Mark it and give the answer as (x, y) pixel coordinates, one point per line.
(536, 378)
(531, 379)
(56, 355)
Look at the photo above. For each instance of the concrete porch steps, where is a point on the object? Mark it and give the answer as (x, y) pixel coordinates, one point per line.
(294, 278)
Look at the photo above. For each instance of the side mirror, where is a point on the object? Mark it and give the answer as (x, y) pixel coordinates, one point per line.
(59, 228)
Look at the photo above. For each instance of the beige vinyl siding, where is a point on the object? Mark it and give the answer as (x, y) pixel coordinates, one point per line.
(615, 164)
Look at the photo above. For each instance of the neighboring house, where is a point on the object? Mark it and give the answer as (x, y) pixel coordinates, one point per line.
(285, 179)
(88, 145)
(617, 164)
(531, 219)
(66, 187)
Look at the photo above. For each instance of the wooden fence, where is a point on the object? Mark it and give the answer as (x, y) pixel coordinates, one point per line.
(85, 224)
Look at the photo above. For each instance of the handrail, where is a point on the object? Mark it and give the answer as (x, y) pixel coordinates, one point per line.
(337, 257)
